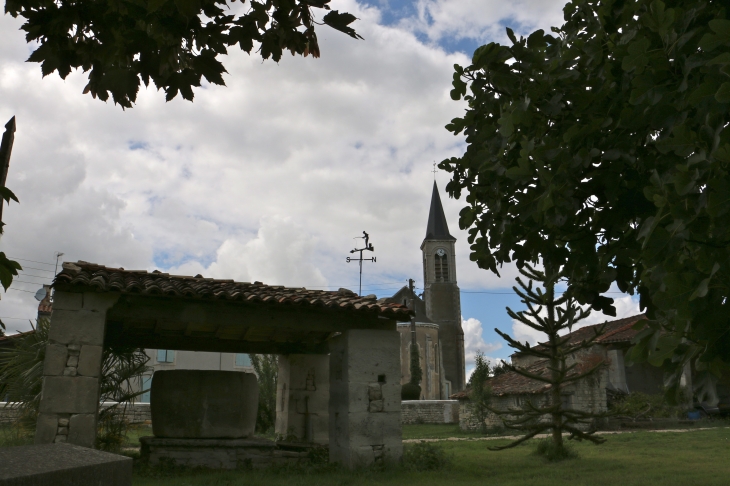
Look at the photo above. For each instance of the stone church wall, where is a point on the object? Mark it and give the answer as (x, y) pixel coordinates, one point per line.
(430, 411)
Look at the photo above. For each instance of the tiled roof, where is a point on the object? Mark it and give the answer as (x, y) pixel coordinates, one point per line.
(512, 383)
(620, 330)
(156, 283)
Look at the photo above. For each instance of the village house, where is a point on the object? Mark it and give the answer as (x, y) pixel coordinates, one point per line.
(589, 394)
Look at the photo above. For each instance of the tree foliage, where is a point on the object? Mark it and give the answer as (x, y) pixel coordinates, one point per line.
(479, 391)
(551, 316)
(266, 367)
(171, 43)
(21, 381)
(604, 148)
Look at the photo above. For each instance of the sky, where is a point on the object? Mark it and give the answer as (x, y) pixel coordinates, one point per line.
(271, 177)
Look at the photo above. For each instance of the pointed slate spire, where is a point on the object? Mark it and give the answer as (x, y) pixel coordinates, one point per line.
(437, 228)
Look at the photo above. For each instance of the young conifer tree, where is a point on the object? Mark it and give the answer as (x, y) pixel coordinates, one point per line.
(550, 315)
(479, 391)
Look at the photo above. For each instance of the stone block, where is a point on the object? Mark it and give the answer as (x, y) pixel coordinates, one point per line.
(99, 302)
(45, 428)
(55, 360)
(82, 429)
(77, 327)
(203, 404)
(69, 394)
(72, 362)
(67, 301)
(375, 406)
(375, 391)
(69, 371)
(63, 464)
(90, 360)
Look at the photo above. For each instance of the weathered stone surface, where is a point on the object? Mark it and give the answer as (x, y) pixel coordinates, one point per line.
(99, 302)
(72, 361)
(77, 327)
(63, 464)
(303, 397)
(69, 394)
(67, 301)
(82, 429)
(55, 361)
(363, 430)
(430, 411)
(217, 453)
(203, 404)
(45, 428)
(90, 361)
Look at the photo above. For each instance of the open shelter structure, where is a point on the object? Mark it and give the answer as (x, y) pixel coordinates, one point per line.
(339, 364)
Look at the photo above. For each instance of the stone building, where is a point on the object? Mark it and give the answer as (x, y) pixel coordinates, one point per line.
(590, 394)
(436, 328)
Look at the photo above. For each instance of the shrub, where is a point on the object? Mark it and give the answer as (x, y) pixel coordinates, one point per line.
(410, 391)
(641, 405)
(549, 450)
(426, 456)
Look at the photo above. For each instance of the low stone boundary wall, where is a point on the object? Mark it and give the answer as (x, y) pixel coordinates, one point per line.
(138, 413)
(430, 411)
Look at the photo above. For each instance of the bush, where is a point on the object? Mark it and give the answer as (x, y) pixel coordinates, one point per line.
(547, 449)
(426, 456)
(641, 405)
(409, 391)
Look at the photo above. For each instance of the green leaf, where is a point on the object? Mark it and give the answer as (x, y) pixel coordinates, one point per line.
(723, 93)
(637, 58)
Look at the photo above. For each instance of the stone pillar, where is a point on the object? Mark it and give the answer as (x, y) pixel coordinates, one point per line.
(72, 367)
(365, 404)
(302, 398)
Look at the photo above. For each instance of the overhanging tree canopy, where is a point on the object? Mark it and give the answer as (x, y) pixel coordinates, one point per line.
(604, 148)
(172, 43)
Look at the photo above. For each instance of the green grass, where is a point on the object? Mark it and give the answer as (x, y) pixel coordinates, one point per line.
(641, 458)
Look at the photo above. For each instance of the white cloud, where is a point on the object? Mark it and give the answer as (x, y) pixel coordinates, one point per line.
(474, 343)
(626, 306)
(483, 20)
(266, 179)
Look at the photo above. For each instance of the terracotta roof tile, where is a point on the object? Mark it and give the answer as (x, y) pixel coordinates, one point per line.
(107, 279)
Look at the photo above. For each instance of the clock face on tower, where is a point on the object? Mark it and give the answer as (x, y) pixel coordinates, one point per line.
(440, 252)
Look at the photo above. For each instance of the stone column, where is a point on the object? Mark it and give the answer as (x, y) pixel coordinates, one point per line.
(302, 398)
(72, 367)
(365, 405)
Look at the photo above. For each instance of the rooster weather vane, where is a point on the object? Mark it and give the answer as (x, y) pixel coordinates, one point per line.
(368, 247)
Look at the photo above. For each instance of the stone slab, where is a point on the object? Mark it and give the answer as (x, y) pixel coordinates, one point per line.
(82, 429)
(45, 428)
(69, 394)
(62, 464)
(203, 404)
(77, 327)
(220, 453)
(55, 360)
(90, 360)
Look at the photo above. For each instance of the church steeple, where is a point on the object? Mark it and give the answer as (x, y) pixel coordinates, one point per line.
(437, 228)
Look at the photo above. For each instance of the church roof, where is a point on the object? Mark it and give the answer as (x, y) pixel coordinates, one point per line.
(437, 229)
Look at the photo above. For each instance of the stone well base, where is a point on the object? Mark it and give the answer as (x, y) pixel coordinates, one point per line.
(219, 453)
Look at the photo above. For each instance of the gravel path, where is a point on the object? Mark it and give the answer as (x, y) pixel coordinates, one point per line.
(539, 436)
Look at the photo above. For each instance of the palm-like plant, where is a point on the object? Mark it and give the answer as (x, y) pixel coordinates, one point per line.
(21, 378)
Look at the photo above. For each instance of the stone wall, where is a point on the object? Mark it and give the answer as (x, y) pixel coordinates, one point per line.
(430, 411)
(139, 413)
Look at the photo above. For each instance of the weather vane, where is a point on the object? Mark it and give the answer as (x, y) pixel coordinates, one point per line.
(368, 247)
(434, 171)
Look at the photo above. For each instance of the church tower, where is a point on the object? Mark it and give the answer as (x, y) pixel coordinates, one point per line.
(441, 294)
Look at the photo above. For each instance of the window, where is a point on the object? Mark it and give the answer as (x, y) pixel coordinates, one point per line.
(442, 266)
(165, 356)
(146, 384)
(243, 359)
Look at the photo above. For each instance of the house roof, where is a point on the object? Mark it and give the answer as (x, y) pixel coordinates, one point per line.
(140, 282)
(512, 383)
(437, 228)
(618, 331)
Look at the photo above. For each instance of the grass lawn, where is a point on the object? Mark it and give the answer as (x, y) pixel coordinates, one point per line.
(641, 458)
